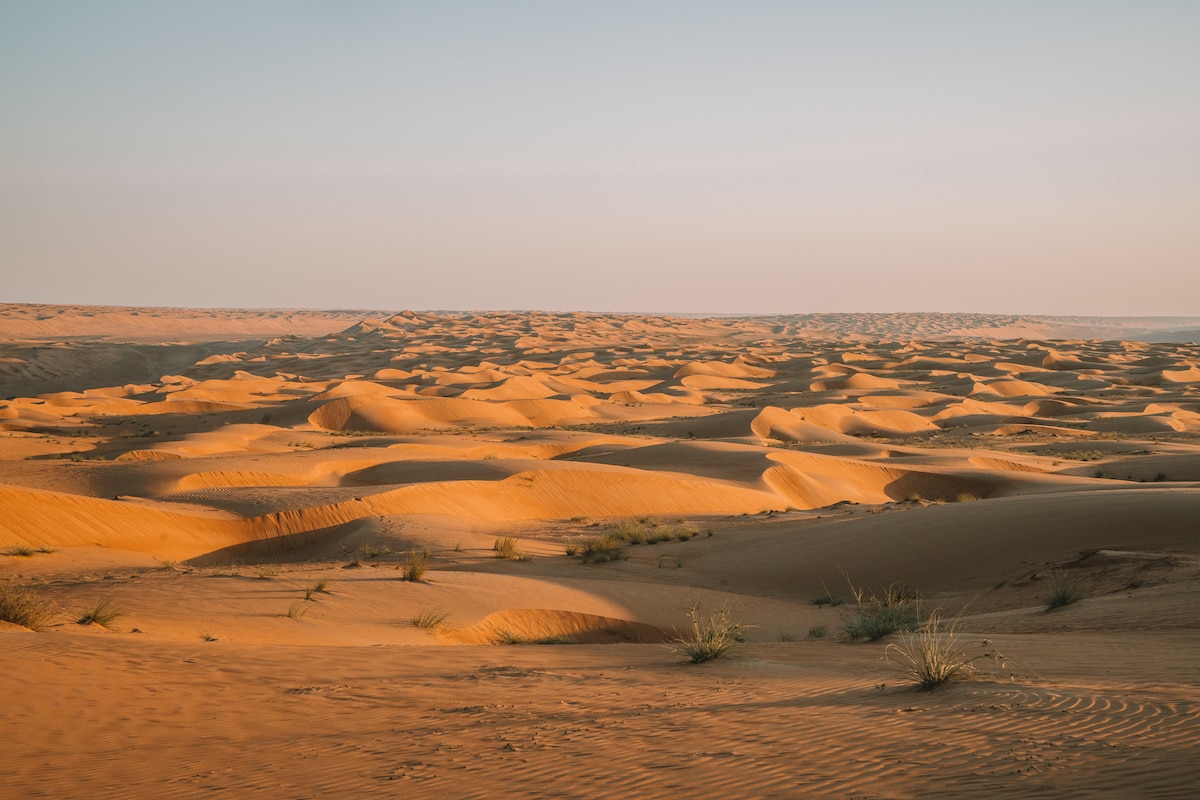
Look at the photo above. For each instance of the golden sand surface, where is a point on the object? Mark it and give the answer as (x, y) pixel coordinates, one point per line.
(252, 490)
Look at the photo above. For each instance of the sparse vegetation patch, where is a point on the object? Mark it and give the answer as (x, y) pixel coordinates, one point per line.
(20, 606)
(102, 614)
(711, 636)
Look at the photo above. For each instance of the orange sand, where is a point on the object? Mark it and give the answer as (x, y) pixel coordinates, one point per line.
(202, 470)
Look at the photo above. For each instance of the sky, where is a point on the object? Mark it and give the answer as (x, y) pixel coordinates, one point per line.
(691, 157)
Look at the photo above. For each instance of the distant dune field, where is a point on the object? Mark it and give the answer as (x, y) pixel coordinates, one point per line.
(361, 554)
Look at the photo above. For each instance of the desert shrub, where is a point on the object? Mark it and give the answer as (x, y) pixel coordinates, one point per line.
(555, 639)
(507, 636)
(207, 635)
(22, 607)
(711, 637)
(931, 656)
(877, 616)
(506, 547)
(1062, 593)
(602, 549)
(818, 632)
(827, 599)
(101, 614)
(267, 571)
(21, 550)
(631, 531)
(431, 618)
(683, 533)
(416, 564)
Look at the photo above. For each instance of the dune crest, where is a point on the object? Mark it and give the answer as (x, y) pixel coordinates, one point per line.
(457, 550)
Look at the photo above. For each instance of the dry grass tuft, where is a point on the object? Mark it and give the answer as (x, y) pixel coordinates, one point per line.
(101, 614)
(932, 655)
(297, 610)
(416, 565)
(602, 549)
(320, 587)
(432, 619)
(506, 547)
(22, 607)
(711, 637)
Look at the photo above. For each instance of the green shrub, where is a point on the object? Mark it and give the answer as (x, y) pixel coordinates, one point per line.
(1062, 593)
(877, 616)
(827, 599)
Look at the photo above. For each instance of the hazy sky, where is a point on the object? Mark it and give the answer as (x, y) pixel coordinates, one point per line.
(1018, 157)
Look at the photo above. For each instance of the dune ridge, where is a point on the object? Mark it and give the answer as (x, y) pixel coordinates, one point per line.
(372, 528)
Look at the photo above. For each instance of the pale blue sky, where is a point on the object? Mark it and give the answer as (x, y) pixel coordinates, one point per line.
(1022, 157)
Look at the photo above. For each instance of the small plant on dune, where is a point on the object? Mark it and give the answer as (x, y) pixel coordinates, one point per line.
(602, 549)
(46, 549)
(684, 533)
(818, 632)
(507, 636)
(22, 607)
(21, 550)
(966, 497)
(267, 571)
(931, 656)
(375, 550)
(711, 637)
(207, 635)
(101, 614)
(571, 548)
(1062, 593)
(877, 616)
(297, 610)
(631, 531)
(320, 587)
(431, 618)
(416, 564)
(556, 638)
(506, 547)
(827, 599)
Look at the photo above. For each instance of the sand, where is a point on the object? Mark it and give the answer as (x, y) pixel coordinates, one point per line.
(248, 490)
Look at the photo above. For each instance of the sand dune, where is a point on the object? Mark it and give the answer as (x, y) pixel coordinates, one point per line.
(252, 489)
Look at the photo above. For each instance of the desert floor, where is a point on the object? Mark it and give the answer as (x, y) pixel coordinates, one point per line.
(258, 511)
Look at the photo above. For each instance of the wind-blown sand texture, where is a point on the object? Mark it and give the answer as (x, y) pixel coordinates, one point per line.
(778, 459)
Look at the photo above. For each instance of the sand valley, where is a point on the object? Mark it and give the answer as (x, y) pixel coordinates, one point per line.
(377, 554)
